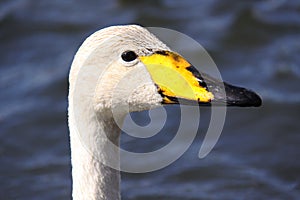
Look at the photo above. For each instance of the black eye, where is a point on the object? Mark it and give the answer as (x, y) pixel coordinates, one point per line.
(129, 56)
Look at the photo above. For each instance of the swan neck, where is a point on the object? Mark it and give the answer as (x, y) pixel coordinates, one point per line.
(91, 147)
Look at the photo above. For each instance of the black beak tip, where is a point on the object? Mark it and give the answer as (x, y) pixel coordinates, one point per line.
(255, 99)
(243, 97)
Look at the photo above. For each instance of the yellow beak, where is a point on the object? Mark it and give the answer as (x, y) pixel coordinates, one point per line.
(174, 78)
(177, 80)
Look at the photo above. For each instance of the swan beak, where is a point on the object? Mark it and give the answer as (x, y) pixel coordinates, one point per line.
(180, 82)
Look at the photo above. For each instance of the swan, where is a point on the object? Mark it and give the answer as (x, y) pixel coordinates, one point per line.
(151, 75)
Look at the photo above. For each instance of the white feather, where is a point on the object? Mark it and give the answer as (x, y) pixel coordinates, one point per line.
(90, 105)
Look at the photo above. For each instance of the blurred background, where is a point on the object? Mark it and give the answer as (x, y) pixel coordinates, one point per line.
(255, 44)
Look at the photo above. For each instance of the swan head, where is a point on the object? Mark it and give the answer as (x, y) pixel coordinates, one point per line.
(134, 68)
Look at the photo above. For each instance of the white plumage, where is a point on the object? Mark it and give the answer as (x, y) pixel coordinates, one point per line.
(90, 105)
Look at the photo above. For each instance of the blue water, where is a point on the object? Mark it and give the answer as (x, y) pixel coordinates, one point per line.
(255, 44)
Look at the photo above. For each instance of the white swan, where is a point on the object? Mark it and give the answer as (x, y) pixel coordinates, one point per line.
(164, 77)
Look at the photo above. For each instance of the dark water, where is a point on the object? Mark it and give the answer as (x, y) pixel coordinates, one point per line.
(255, 44)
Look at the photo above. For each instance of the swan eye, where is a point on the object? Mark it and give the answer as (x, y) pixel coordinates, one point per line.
(129, 56)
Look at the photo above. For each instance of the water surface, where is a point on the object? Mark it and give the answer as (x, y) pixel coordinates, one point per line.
(254, 44)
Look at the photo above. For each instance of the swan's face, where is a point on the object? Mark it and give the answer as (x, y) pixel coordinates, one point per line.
(139, 71)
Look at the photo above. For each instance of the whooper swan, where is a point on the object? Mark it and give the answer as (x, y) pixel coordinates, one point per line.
(151, 75)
